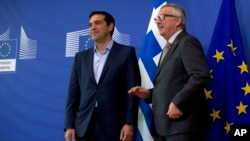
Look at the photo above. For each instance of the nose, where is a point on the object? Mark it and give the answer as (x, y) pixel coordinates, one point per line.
(157, 20)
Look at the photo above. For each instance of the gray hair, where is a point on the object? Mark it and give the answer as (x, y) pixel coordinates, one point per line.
(178, 11)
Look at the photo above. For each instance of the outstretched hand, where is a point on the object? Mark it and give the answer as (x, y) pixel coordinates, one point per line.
(140, 92)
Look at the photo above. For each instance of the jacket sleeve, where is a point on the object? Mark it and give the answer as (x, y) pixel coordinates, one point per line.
(72, 101)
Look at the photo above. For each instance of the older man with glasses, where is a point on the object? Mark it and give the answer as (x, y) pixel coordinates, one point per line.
(178, 101)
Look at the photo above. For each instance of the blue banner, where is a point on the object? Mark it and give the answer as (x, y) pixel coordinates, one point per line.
(228, 92)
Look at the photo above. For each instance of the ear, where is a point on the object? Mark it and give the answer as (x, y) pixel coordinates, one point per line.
(111, 26)
(178, 21)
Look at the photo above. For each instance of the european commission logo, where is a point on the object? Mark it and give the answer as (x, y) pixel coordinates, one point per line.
(80, 39)
(8, 55)
(8, 50)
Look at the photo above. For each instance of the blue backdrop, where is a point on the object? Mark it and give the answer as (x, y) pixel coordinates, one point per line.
(35, 68)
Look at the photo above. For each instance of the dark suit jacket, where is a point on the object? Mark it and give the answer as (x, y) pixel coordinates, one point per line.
(181, 79)
(115, 106)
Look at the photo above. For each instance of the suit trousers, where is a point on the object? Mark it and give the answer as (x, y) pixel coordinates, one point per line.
(94, 131)
(198, 136)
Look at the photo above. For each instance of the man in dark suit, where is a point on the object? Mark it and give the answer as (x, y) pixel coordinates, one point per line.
(178, 100)
(98, 106)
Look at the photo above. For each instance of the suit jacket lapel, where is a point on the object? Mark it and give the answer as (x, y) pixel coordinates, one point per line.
(171, 50)
(108, 63)
(89, 61)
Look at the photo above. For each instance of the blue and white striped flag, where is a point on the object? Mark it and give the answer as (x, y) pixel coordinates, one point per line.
(149, 56)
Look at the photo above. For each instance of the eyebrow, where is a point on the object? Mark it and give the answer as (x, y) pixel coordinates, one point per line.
(96, 22)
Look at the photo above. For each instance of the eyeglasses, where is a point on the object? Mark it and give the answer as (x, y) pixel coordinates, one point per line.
(162, 17)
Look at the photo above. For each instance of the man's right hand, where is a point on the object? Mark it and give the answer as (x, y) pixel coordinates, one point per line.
(70, 134)
(140, 92)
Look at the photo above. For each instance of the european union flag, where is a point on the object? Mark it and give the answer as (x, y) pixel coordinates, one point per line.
(149, 56)
(228, 93)
(7, 49)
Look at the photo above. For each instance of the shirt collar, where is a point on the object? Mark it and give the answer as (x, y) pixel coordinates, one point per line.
(172, 38)
(109, 46)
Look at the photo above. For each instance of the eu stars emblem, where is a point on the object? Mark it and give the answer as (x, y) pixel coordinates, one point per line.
(8, 49)
(8, 56)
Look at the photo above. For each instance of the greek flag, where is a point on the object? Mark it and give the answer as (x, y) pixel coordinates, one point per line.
(149, 56)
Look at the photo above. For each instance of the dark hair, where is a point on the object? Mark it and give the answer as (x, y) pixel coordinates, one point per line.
(108, 18)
